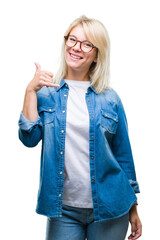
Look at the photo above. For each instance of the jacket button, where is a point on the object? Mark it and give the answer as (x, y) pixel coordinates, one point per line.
(92, 116)
(61, 173)
(92, 137)
(63, 111)
(61, 153)
(92, 158)
(50, 110)
(93, 179)
(95, 200)
(60, 195)
(62, 131)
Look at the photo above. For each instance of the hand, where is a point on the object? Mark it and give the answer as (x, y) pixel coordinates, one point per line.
(41, 78)
(136, 226)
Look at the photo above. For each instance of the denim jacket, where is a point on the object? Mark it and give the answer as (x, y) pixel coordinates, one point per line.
(112, 171)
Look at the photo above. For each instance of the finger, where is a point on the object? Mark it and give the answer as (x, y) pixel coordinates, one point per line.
(139, 231)
(135, 237)
(47, 73)
(46, 79)
(137, 234)
(38, 67)
(49, 84)
(133, 228)
(130, 236)
(43, 75)
(55, 85)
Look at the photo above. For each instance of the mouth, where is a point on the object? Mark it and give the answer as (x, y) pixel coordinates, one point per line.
(75, 56)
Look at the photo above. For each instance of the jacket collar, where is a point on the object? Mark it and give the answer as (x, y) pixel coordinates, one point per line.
(63, 83)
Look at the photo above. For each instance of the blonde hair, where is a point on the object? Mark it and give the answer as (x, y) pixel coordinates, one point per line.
(97, 34)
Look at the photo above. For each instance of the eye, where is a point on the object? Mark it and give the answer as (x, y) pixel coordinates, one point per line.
(72, 39)
(87, 44)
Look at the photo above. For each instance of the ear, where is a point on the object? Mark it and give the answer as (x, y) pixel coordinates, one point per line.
(95, 60)
(96, 57)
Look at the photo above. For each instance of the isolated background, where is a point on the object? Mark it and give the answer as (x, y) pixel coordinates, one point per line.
(33, 31)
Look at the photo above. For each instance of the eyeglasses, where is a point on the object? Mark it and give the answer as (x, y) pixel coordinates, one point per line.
(85, 46)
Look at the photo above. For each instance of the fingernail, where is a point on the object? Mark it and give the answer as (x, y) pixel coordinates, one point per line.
(133, 234)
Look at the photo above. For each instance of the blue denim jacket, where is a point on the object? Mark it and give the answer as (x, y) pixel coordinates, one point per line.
(112, 171)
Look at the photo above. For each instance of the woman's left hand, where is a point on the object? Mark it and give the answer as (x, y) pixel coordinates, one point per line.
(136, 226)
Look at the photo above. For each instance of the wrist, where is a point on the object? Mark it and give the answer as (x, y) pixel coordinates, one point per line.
(134, 208)
(30, 89)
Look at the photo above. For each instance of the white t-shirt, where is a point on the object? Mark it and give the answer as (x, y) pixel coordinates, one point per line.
(77, 186)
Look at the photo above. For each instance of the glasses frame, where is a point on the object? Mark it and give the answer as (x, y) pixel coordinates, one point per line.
(76, 41)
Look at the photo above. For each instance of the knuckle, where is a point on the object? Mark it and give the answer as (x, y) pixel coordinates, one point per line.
(41, 83)
(41, 78)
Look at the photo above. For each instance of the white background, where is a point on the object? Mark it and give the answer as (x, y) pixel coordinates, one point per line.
(33, 31)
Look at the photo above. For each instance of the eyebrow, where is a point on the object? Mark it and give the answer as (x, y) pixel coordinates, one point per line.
(77, 38)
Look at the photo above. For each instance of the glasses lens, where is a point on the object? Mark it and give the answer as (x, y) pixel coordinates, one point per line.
(86, 46)
(71, 41)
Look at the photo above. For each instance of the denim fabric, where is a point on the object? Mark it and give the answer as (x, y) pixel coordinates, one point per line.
(112, 171)
(78, 224)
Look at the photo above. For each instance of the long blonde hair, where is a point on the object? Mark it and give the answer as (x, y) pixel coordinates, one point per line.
(96, 33)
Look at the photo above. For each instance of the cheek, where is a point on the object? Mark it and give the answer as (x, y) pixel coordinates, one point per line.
(92, 58)
(66, 54)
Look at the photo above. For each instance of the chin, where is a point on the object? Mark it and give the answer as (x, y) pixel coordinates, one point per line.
(73, 65)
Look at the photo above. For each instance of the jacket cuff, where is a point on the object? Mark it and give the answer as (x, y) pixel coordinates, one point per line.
(135, 186)
(26, 124)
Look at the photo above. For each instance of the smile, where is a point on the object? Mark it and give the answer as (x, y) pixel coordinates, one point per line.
(75, 57)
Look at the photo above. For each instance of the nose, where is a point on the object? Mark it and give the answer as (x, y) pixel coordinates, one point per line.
(77, 46)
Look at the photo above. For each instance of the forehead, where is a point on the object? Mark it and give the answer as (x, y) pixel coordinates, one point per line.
(78, 32)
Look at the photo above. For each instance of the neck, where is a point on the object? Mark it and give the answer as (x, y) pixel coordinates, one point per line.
(78, 76)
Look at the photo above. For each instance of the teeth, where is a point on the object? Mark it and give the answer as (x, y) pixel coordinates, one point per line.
(76, 57)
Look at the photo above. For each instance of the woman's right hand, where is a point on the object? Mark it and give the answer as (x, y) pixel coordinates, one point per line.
(40, 79)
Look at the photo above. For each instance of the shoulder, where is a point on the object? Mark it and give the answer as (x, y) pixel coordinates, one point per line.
(109, 101)
(110, 95)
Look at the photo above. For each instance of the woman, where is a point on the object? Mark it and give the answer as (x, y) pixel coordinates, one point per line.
(87, 179)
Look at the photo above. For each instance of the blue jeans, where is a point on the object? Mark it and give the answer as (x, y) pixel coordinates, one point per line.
(78, 224)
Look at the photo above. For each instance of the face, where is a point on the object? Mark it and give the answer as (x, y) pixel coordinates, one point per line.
(76, 59)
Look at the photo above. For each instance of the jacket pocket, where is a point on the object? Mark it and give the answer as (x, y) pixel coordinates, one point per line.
(109, 121)
(47, 114)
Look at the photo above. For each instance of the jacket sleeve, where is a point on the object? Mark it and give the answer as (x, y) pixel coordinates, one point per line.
(30, 133)
(122, 148)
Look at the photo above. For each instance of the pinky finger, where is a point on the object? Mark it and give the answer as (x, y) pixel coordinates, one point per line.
(49, 84)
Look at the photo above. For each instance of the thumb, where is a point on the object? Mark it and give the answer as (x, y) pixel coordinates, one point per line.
(38, 67)
(133, 228)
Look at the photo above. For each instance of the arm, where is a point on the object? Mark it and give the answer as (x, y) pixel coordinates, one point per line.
(123, 153)
(30, 104)
(30, 123)
(136, 225)
(41, 78)
(122, 149)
